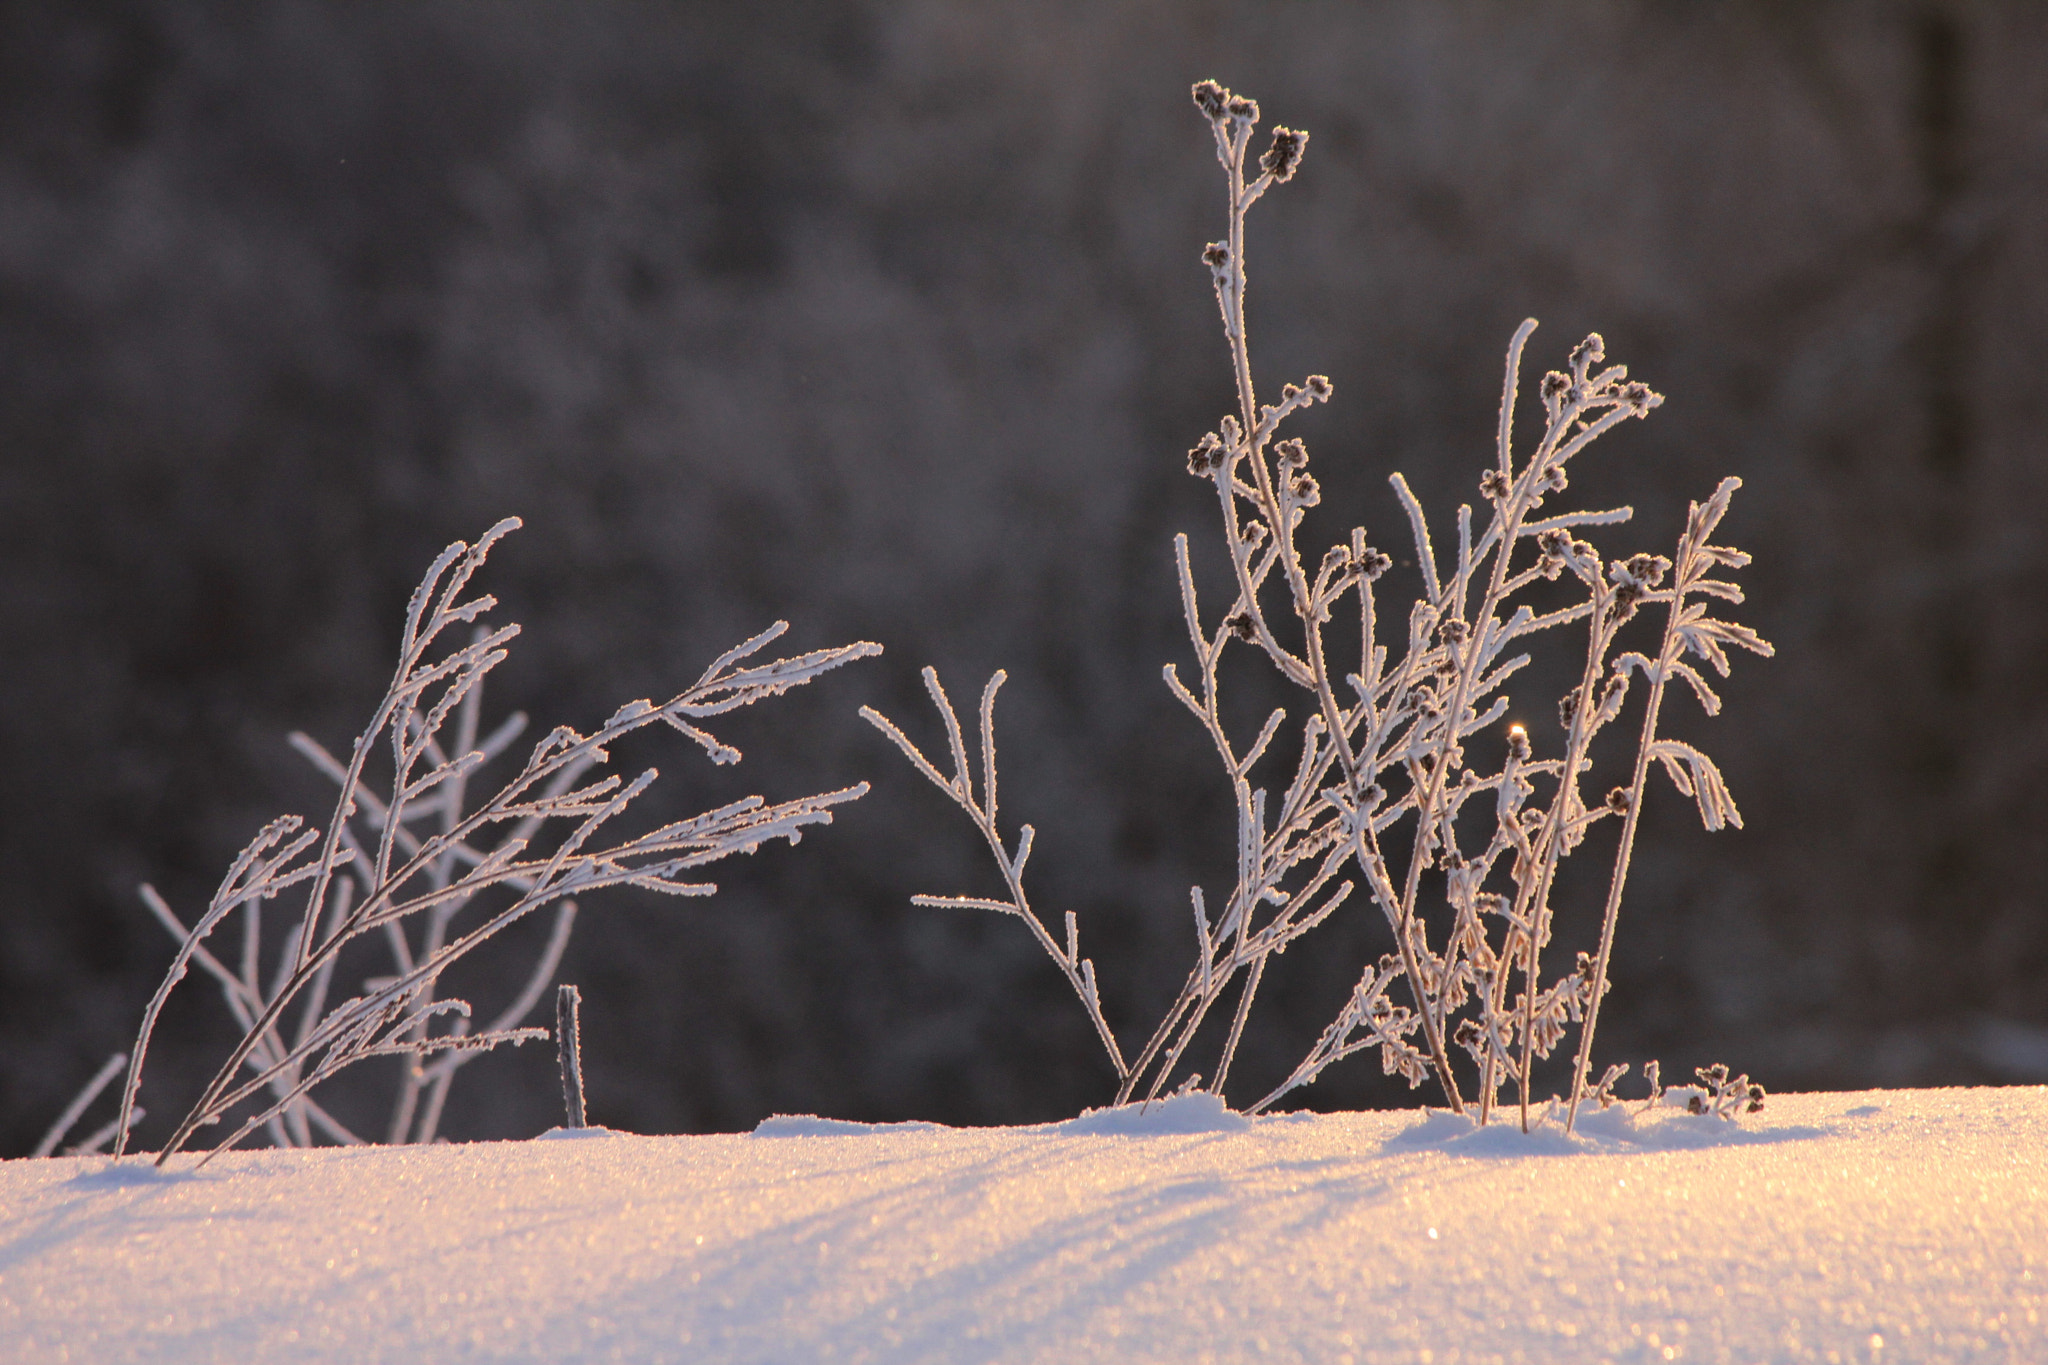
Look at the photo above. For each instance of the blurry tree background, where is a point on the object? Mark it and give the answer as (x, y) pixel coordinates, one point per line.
(889, 319)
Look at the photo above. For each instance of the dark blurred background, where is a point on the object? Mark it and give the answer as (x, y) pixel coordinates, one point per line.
(889, 319)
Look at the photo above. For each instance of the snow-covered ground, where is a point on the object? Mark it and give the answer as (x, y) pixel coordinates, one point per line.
(1883, 1226)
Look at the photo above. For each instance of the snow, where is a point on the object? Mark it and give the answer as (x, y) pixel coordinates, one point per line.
(1881, 1226)
(1181, 1114)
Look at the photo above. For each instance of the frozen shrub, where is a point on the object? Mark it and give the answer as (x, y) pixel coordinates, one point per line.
(1404, 786)
(435, 877)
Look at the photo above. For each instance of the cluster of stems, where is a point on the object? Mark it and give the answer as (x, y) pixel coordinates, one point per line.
(435, 876)
(1388, 792)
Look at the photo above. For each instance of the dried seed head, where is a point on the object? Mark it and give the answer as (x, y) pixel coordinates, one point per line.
(1305, 490)
(1240, 624)
(1233, 434)
(1617, 800)
(1211, 99)
(1587, 354)
(1649, 570)
(1373, 563)
(1451, 631)
(1242, 110)
(1283, 158)
(1253, 535)
(1554, 480)
(1216, 256)
(1640, 399)
(1633, 581)
(1568, 708)
(1555, 386)
(1518, 743)
(1337, 565)
(1293, 454)
(1493, 485)
(1207, 457)
(1318, 384)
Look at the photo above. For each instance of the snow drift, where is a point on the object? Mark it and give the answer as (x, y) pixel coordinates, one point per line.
(1882, 1226)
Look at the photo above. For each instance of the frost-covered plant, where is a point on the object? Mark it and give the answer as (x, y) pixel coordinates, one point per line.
(1389, 791)
(423, 1083)
(419, 856)
(1718, 1093)
(424, 1079)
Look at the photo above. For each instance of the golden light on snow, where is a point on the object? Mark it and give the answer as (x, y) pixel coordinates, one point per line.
(1914, 1223)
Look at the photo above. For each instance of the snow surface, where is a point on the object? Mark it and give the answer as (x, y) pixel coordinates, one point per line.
(1882, 1226)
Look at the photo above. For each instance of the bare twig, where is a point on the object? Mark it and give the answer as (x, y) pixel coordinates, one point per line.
(569, 1051)
(80, 1102)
